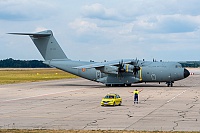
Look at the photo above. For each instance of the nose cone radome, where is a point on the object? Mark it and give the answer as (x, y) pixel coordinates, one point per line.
(186, 73)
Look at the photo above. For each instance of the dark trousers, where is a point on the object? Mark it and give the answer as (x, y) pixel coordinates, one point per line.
(135, 98)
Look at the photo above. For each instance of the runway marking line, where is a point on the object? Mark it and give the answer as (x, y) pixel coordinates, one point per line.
(9, 100)
(157, 108)
(177, 95)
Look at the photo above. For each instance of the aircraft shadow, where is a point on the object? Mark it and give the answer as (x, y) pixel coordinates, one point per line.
(78, 85)
(103, 86)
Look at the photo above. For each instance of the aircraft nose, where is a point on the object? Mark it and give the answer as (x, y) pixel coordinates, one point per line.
(186, 73)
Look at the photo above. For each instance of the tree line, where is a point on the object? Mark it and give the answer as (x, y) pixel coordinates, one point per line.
(11, 63)
(193, 64)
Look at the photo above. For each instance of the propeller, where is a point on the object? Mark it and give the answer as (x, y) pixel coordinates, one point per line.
(121, 67)
(136, 67)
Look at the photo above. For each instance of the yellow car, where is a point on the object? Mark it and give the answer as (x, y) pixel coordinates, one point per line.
(111, 99)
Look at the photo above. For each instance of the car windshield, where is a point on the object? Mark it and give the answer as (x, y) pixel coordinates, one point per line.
(109, 97)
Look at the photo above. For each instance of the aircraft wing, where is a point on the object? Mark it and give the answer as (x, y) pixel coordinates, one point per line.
(102, 64)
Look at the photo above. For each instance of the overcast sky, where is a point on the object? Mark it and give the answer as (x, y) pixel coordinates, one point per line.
(100, 30)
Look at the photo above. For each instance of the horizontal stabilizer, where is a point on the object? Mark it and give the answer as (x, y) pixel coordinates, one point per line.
(46, 44)
(35, 35)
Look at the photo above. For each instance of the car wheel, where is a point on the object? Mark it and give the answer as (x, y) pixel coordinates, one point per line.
(114, 104)
(120, 103)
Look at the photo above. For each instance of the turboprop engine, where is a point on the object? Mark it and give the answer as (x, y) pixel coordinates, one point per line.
(122, 68)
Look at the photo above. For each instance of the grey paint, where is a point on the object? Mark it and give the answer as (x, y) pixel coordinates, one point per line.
(106, 72)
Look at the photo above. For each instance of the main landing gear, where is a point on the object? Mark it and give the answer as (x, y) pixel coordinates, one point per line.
(170, 83)
(118, 85)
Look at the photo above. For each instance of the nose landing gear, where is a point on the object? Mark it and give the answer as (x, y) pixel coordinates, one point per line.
(170, 83)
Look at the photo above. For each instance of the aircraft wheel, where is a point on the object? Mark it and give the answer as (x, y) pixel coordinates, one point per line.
(122, 85)
(171, 84)
(114, 85)
(108, 85)
(128, 85)
(168, 84)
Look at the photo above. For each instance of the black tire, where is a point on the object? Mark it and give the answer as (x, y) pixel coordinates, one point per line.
(128, 85)
(168, 84)
(108, 85)
(171, 85)
(120, 103)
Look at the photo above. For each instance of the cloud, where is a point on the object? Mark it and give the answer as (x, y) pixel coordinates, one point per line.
(82, 26)
(176, 23)
(87, 32)
(98, 11)
(105, 29)
(38, 29)
(25, 10)
(155, 19)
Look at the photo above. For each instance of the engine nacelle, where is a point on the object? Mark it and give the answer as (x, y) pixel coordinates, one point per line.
(128, 68)
(109, 69)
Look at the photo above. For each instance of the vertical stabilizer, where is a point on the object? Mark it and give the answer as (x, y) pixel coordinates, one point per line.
(46, 44)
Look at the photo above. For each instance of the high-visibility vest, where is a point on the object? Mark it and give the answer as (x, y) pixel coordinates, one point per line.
(136, 92)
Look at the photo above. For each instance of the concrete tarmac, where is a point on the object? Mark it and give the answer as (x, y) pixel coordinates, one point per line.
(75, 104)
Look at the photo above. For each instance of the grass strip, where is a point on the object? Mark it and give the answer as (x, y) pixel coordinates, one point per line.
(10, 76)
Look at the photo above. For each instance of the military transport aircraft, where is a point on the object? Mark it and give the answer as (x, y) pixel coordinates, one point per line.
(113, 73)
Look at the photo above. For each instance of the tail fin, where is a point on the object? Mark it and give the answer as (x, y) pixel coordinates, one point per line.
(46, 44)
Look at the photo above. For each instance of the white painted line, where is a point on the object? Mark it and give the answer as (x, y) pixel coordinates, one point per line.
(9, 100)
(177, 95)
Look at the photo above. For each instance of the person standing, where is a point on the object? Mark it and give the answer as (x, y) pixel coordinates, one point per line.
(136, 95)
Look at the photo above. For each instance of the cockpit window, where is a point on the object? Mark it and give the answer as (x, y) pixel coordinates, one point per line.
(178, 66)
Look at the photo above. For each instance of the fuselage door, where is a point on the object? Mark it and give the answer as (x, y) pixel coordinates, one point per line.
(98, 74)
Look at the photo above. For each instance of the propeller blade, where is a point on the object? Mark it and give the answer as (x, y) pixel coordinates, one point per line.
(121, 67)
(136, 67)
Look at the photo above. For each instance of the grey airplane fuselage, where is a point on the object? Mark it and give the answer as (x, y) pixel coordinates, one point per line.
(149, 72)
(117, 72)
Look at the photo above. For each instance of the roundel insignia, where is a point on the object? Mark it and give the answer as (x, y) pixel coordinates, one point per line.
(83, 69)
